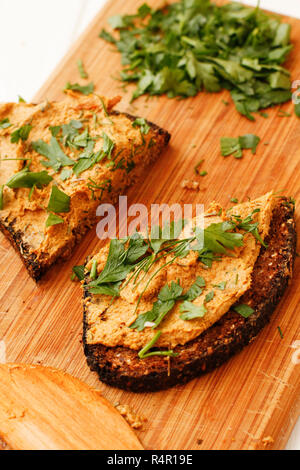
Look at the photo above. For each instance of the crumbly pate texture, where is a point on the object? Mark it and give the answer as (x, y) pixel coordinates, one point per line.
(108, 323)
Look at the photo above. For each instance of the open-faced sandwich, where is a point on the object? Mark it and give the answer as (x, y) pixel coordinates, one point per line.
(161, 312)
(58, 162)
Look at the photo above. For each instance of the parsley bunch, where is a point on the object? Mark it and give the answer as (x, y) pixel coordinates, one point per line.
(194, 45)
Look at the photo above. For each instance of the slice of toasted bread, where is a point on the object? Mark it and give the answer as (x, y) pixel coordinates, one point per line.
(128, 145)
(121, 366)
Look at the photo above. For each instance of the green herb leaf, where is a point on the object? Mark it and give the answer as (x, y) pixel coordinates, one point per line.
(55, 130)
(249, 141)
(108, 145)
(195, 290)
(192, 311)
(84, 89)
(244, 310)
(111, 290)
(280, 332)
(170, 293)
(54, 220)
(4, 124)
(81, 69)
(209, 297)
(142, 124)
(78, 271)
(115, 269)
(165, 303)
(27, 179)
(93, 273)
(107, 36)
(231, 145)
(21, 134)
(57, 158)
(235, 145)
(65, 174)
(218, 238)
(59, 201)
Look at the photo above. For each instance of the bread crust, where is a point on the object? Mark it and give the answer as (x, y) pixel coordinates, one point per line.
(121, 367)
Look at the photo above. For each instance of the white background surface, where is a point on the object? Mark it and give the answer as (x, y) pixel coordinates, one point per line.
(35, 35)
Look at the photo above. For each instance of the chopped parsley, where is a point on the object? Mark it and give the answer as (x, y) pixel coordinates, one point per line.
(53, 220)
(282, 113)
(280, 332)
(235, 145)
(196, 168)
(66, 173)
(84, 89)
(78, 271)
(195, 290)
(27, 179)
(53, 152)
(142, 124)
(209, 297)
(190, 46)
(165, 303)
(21, 134)
(4, 124)
(81, 69)
(191, 311)
(244, 310)
(59, 201)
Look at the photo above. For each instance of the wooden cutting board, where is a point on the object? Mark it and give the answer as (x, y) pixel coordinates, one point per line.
(47, 409)
(253, 400)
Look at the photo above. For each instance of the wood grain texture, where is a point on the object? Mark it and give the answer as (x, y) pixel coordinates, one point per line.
(255, 395)
(47, 409)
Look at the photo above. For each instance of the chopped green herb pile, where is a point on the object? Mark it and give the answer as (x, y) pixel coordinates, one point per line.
(194, 45)
(235, 145)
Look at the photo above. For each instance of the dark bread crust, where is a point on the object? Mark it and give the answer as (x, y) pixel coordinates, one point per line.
(121, 367)
(37, 267)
